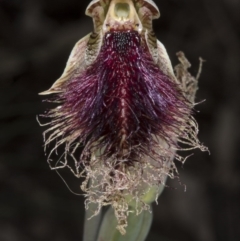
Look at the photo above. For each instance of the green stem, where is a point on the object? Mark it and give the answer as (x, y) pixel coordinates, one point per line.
(91, 226)
(137, 229)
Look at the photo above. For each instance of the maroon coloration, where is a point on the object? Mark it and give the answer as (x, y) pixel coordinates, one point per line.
(123, 99)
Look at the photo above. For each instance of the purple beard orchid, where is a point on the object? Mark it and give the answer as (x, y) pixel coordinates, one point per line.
(121, 111)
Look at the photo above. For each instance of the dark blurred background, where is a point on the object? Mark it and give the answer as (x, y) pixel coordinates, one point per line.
(36, 37)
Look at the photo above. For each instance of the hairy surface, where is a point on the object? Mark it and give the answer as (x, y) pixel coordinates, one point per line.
(123, 101)
(127, 117)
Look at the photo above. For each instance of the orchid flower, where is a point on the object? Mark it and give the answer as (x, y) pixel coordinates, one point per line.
(121, 110)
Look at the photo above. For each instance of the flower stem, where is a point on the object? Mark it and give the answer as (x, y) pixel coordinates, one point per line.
(91, 226)
(137, 229)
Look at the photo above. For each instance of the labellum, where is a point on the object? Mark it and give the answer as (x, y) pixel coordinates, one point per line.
(120, 103)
